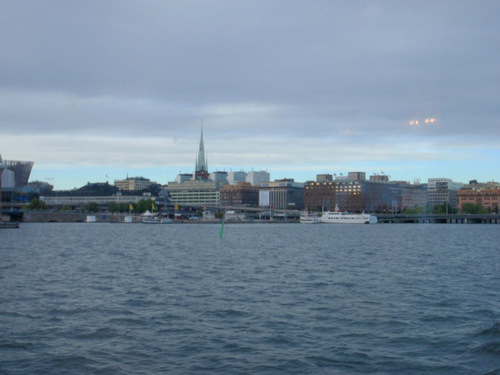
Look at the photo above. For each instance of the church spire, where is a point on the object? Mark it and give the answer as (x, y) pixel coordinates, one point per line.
(201, 167)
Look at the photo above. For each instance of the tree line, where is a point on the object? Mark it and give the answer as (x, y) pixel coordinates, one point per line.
(113, 207)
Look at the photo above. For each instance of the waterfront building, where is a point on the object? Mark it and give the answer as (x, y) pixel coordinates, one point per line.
(256, 178)
(235, 177)
(195, 192)
(78, 202)
(486, 195)
(353, 195)
(101, 193)
(282, 194)
(442, 191)
(14, 176)
(8, 179)
(239, 194)
(133, 183)
(201, 190)
(21, 170)
(413, 195)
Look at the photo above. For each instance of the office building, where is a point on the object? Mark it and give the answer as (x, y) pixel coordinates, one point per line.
(282, 194)
(133, 183)
(353, 195)
(235, 177)
(239, 194)
(256, 178)
(441, 191)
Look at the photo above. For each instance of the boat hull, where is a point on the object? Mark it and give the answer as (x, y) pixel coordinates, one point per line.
(309, 219)
(347, 218)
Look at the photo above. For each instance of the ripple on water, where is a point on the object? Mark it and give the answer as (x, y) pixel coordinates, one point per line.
(120, 299)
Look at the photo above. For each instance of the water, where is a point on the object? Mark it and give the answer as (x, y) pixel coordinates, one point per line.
(264, 299)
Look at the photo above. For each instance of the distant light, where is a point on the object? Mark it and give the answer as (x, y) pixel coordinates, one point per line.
(429, 120)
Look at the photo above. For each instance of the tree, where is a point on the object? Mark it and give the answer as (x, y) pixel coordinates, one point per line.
(445, 208)
(125, 207)
(37, 204)
(144, 204)
(439, 209)
(414, 210)
(92, 207)
(471, 208)
(113, 207)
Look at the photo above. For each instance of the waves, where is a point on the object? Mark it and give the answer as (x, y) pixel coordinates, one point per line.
(264, 299)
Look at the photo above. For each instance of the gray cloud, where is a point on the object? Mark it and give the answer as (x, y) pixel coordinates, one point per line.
(297, 72)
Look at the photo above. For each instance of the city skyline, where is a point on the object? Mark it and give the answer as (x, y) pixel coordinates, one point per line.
(98, 91)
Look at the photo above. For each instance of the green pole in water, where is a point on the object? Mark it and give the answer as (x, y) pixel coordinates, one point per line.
(221, 228)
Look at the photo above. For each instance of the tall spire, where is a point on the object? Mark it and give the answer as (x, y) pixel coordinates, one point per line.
(201, 167)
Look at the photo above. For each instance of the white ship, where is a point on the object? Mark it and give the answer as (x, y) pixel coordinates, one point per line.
(308, 218)
(338, 217)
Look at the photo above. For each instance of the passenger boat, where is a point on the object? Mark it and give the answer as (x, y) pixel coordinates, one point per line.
(308, 218)
(339, 217)
(156, 220)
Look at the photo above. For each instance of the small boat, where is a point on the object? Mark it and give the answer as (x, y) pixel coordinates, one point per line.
(8, 224)
(339, 217)
(309, 218)
(156, 220)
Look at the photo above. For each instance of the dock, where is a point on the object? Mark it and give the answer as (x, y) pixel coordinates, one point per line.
(8, 224)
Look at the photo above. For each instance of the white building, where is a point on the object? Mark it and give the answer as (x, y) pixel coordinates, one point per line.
(133, 183)
(441, 191)
(257, 178)
(196, 192)
(183, 177)
(8, 178)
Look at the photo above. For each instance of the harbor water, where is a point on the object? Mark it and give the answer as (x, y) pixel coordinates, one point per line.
(88, 298)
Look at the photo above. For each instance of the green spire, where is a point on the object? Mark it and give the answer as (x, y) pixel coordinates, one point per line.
(201, 162)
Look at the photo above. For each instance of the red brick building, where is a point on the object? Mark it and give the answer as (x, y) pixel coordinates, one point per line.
(487, 198)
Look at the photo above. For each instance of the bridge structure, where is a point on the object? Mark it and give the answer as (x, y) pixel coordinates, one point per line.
(440, 218)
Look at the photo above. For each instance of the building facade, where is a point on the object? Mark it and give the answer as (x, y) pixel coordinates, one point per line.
(196, 192)
(413, 196)
(183, 177)
(218, 176)
(256, 178)
(235, 177)
(133, 183)
(239, 194)
(442, 191)
(21, 170)
(324, 177)
(353, 196)
(486, 195)
(282, 194)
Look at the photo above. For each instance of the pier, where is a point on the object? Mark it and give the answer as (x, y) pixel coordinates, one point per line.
(439, 219)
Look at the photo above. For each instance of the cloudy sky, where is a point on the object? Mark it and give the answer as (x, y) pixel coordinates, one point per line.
(95, 90)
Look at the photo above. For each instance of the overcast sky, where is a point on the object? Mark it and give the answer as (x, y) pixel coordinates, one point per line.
(95, 90)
